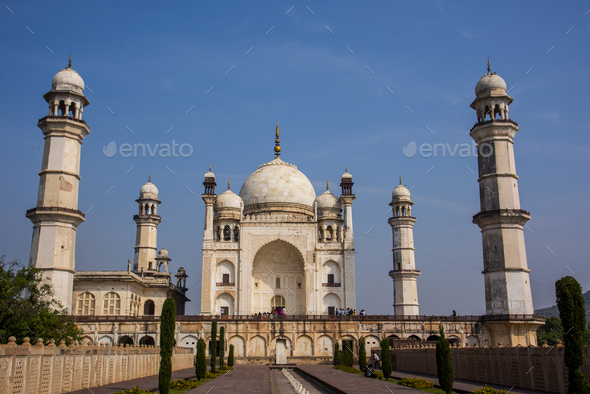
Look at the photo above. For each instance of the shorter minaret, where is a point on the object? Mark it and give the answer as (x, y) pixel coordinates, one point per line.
(209, 198)
(147, 228)
(404, 273)
(347, 197)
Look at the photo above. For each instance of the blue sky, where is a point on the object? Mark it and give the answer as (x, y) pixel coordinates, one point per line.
(350, 83)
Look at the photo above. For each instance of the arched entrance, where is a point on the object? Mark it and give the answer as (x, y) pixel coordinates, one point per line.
(126, 340)
(147, 340)
(278, 270)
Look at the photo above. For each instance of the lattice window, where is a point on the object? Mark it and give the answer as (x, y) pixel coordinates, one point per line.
(134, 305)
(111, 304)
(86, 304)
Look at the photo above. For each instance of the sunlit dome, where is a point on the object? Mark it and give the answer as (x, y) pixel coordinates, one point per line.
(277, 186)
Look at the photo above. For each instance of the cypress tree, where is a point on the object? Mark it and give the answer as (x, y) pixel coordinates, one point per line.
(213, 346)
(167, 326)
(201, 364)
(444, 366)
(348, 355)
(570, 302)
(230, 357)
(337, 360)
(362, 355)
(385, 358)
(221, 347)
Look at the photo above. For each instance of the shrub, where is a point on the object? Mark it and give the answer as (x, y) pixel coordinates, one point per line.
(571, 304)
(134, 390)
(230, 357)
(201, 363)
(416, 383)
(444, 366)
(348, 369)
(183, 384)
(213, 346)
(386, 358)
(489, 390)
(167, 327)
(362, 355)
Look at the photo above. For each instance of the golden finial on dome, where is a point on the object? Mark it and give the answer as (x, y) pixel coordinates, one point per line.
(327, 184)
(277, 143)
(149, 177)
(400, 179)
(489, 69)
(228, 183)
(209, 167)
(70, 62)
(345, 168)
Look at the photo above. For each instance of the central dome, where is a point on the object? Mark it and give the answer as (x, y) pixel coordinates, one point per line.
(277, 187)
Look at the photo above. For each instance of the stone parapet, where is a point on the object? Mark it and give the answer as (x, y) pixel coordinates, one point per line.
(539, 368)
(50, 368)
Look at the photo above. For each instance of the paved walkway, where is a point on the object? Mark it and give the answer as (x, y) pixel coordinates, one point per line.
(464, 386)
(243, 379)
(351, 383)
(149, 383)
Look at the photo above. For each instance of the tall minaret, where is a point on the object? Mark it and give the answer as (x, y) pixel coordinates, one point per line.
(56, 217)
(209, 197)
(507, 284)
(147, 228)
(404, 273)
(346, 199)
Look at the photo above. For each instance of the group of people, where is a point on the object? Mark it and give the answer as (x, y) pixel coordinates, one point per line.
(349, 312)
(278, 311)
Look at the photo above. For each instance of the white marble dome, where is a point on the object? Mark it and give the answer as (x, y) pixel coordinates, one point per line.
(279, 183)
(400, 191)
(66, 80)
(488, 82)
(228, 199)
(149, 191)
(328, 200)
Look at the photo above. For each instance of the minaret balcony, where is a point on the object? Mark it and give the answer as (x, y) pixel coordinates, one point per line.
(487, 122)
(517, 216)
(404, 273)
(69, 215)
(58, 117)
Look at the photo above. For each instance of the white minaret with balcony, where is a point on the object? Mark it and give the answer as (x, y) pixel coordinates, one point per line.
(404, 273)
(147, 228)
(506, 273)
(56, 216)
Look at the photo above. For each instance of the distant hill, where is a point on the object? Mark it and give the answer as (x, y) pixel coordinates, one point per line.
(553, 311)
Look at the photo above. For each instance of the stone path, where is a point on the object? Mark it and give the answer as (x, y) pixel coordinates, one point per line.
(351, 383)
(149, 383)
(242, 379)
(256, 379)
